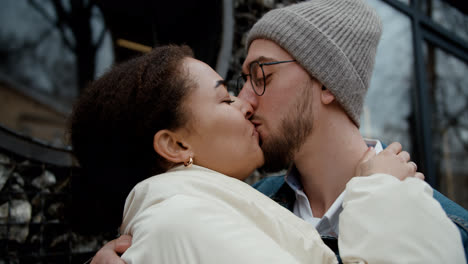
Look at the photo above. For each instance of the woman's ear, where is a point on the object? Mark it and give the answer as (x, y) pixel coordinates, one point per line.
(167, 144)
(326, 96)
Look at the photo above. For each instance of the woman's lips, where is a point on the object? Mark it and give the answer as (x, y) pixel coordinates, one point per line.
(255, 132)
(257, 136)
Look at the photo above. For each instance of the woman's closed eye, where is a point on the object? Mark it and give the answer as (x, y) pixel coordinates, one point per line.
(228, 101)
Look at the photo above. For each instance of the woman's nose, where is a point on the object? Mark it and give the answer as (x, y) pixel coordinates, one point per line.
(247, 95)
(243, 106)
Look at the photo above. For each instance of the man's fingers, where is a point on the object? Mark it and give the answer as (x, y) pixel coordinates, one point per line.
(123, 243)
(107, 255)
(394, 148)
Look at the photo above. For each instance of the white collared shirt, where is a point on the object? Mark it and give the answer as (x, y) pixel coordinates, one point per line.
(328, 224)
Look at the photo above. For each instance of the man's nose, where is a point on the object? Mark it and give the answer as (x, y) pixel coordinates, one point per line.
(248, 95)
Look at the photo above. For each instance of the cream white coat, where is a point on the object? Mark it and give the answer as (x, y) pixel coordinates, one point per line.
(196, 215)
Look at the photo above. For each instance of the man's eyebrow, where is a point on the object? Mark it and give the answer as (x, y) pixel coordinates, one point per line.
(221, 82)
(261, 59)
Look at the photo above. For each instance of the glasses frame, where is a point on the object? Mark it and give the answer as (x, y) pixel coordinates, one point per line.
(243, 76)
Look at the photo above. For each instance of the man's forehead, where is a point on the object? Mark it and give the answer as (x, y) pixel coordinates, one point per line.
(265, 50)
(259, 58)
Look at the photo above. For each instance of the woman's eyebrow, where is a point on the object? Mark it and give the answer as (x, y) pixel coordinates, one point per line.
(220, 82)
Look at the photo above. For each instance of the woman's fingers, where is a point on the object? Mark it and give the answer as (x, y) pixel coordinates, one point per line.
(419, 175)
(361, 169)
(370, 153)
(404, 156)
(393, 160)
(413, 165)
(394, 148)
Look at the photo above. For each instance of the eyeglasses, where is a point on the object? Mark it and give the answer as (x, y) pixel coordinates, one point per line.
(257, 76)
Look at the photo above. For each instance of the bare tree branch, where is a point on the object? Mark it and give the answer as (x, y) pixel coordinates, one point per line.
(460, 139)
(102, 34)
(54, 22)
(43, 12)
(62, 22)
(33, 43)
(90, 6)
(100, 38)
(61, 13)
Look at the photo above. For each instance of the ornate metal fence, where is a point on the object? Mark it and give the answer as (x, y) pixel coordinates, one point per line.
(35, 199)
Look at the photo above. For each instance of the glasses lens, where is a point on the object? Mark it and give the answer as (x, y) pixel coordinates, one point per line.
(257, 78)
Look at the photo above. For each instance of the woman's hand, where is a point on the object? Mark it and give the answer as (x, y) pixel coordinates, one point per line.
(108, 253)
(392, 160)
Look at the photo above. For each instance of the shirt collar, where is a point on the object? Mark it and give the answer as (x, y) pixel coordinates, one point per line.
(292, 178)
(378, 147)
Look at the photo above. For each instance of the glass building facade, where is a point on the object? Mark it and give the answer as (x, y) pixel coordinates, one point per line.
(419, 90)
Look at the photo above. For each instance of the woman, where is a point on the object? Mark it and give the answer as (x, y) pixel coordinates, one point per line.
(169, 115)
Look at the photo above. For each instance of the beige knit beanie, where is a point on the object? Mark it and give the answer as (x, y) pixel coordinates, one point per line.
(334, 40)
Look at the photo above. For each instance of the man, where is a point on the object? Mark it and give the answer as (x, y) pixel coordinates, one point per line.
(306, 75)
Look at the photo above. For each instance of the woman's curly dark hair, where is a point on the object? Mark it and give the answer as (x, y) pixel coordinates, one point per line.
(112, 128)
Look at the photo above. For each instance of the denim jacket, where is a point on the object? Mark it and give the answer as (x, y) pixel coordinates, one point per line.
(276, 188)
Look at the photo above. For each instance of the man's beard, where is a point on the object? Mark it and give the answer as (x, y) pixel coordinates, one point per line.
(280, 147)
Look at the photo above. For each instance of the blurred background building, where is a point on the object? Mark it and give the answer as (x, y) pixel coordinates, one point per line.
(50, 50)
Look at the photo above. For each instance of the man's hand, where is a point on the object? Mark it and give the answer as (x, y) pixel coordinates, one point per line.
(108, 253)
(392, 160)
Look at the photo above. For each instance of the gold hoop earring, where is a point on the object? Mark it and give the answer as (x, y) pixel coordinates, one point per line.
(189, 163)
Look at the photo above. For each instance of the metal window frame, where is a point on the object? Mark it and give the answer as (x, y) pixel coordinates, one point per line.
(426, 30)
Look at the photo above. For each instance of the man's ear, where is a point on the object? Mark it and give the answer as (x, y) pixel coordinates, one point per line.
(167, 144)
(326, 96)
